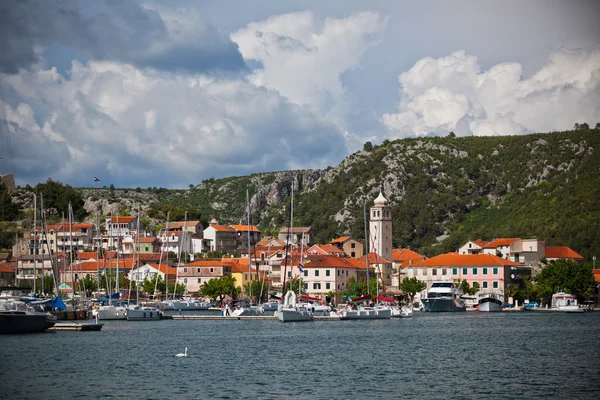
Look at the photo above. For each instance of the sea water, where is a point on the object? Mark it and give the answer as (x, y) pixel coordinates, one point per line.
(432, 355)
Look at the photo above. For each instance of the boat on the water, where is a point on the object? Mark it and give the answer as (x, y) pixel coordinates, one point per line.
(401, 312)
(490, 302)
(19, 317)
(248, 311)
(110, 312)
(364, 312)
(562, 301)
(142, 313)
(290, 311)
(443, 296)
(270, 306)
(183, 305)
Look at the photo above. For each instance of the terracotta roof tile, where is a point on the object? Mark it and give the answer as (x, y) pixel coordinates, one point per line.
(324, 249)
(374, 258)
(340, 239)
(562, 252)
(465, 260)
(119, 219)
(244, 228)
(500, 242)
(400, 255)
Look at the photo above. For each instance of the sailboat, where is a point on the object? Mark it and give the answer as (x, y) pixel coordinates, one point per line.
(249, 310)
(137, 312)
(112, 311)
(290, 310)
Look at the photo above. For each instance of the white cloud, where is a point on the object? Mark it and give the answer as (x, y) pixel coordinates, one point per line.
(452, 93)
(303, 59)
(139, 127)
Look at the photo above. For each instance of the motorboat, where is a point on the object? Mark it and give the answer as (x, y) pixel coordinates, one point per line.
(443, 296)
(401, 312)
(110, 312)
(183, 305)
(490, 302)
(19, 317)
(143, 313)
(562, 301)
(365, 312)
(249, 311)
(290, 311)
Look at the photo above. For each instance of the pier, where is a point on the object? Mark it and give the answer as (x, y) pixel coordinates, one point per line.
(75, 326)
(244, 317)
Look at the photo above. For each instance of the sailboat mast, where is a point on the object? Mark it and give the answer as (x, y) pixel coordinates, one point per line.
(166, 266)
(35, 243)
(98, 252)
(137, 278)
(118, 251)
(292, 230)
(366, 247)
(42, 233)
(249, 256)
(182, 241)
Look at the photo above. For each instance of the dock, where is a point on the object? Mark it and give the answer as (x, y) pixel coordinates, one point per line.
(75, 326)
(244, 317)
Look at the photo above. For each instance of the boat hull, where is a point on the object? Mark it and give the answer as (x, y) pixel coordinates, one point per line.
(144, 314)
(490, 305)
(293, 315)
(16, 322)
(106, 313)
(381, 313)
(442, 305)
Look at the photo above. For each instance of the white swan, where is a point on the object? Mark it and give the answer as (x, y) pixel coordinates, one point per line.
(184, 354)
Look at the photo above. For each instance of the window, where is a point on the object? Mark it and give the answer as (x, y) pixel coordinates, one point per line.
(474, 271)
(485, 271)
(485, 285)
(328, 285)
(454, 271)
(198, 271)
(305, 272)
(338, 272)
(353, 254)
(424, 271)
(327, 272)
(353, 245)
(517, 257)
(212, 270)
(185, 270)
(495, 285)
(465, 271)
(495, 271)
(469, 245)
(199, 280)
(316, 286)
(317, 273)
(289, 274)
(434, 271)
(306, 286)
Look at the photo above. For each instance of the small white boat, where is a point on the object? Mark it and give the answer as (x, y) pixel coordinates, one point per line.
(250, 311)
(490, 302)
(110, 312)
(141, 313)
(292, 312)
(401, 312)
(562, 301)
(376, 312)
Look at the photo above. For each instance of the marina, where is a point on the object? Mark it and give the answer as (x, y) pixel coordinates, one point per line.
(339, 354)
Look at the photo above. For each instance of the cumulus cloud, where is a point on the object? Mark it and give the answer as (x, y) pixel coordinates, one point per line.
(452, 93)
(303, 58)
(143, 127)
(147, 35)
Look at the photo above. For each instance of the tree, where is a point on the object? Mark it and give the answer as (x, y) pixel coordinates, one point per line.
(412, 286)
(219, 288)
(452, 134)
(565, 275)
(58, 196)
(9, 211)
(512, 290)
(464, 286)
(259, 290)
(191, 185)
(368, 146)
(297, 286)
(474, 289)
(597, 125)
(576, 126)
(89, 284)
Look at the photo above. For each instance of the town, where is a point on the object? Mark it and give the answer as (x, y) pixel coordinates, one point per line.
(68, 256)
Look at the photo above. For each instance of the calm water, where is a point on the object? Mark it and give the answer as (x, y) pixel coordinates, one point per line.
(459, 355)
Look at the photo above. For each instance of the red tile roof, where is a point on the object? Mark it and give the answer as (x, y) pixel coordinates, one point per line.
(400, 255)
(324, 249)
(6, 269)
(500, 242)
(147, 239)
(269, 239)
(340, 239)
(465, 260)
(562, 252)
(206, 263)
(120, 220)
(244, 228)
(480, 243)
(330, 261)
(295, 229)
(165, 269)
(181, 224)
(86, 255)
(222, 228)
(374, 258)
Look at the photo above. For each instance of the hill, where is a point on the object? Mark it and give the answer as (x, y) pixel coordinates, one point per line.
(443, 191)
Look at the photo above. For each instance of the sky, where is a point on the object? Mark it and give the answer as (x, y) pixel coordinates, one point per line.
(170, 93)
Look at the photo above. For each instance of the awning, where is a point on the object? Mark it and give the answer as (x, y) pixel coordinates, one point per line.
(381, 298)
(308, 298)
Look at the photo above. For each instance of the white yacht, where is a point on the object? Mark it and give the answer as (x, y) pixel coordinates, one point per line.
(110, 312)
(142, 313)
(19, 317)
(183, 305)
(490, 302)
(270, 306)
(249, 311)
(562, 301)
(443, 296)
(375, 312)
(401, 312)
(290, 311)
